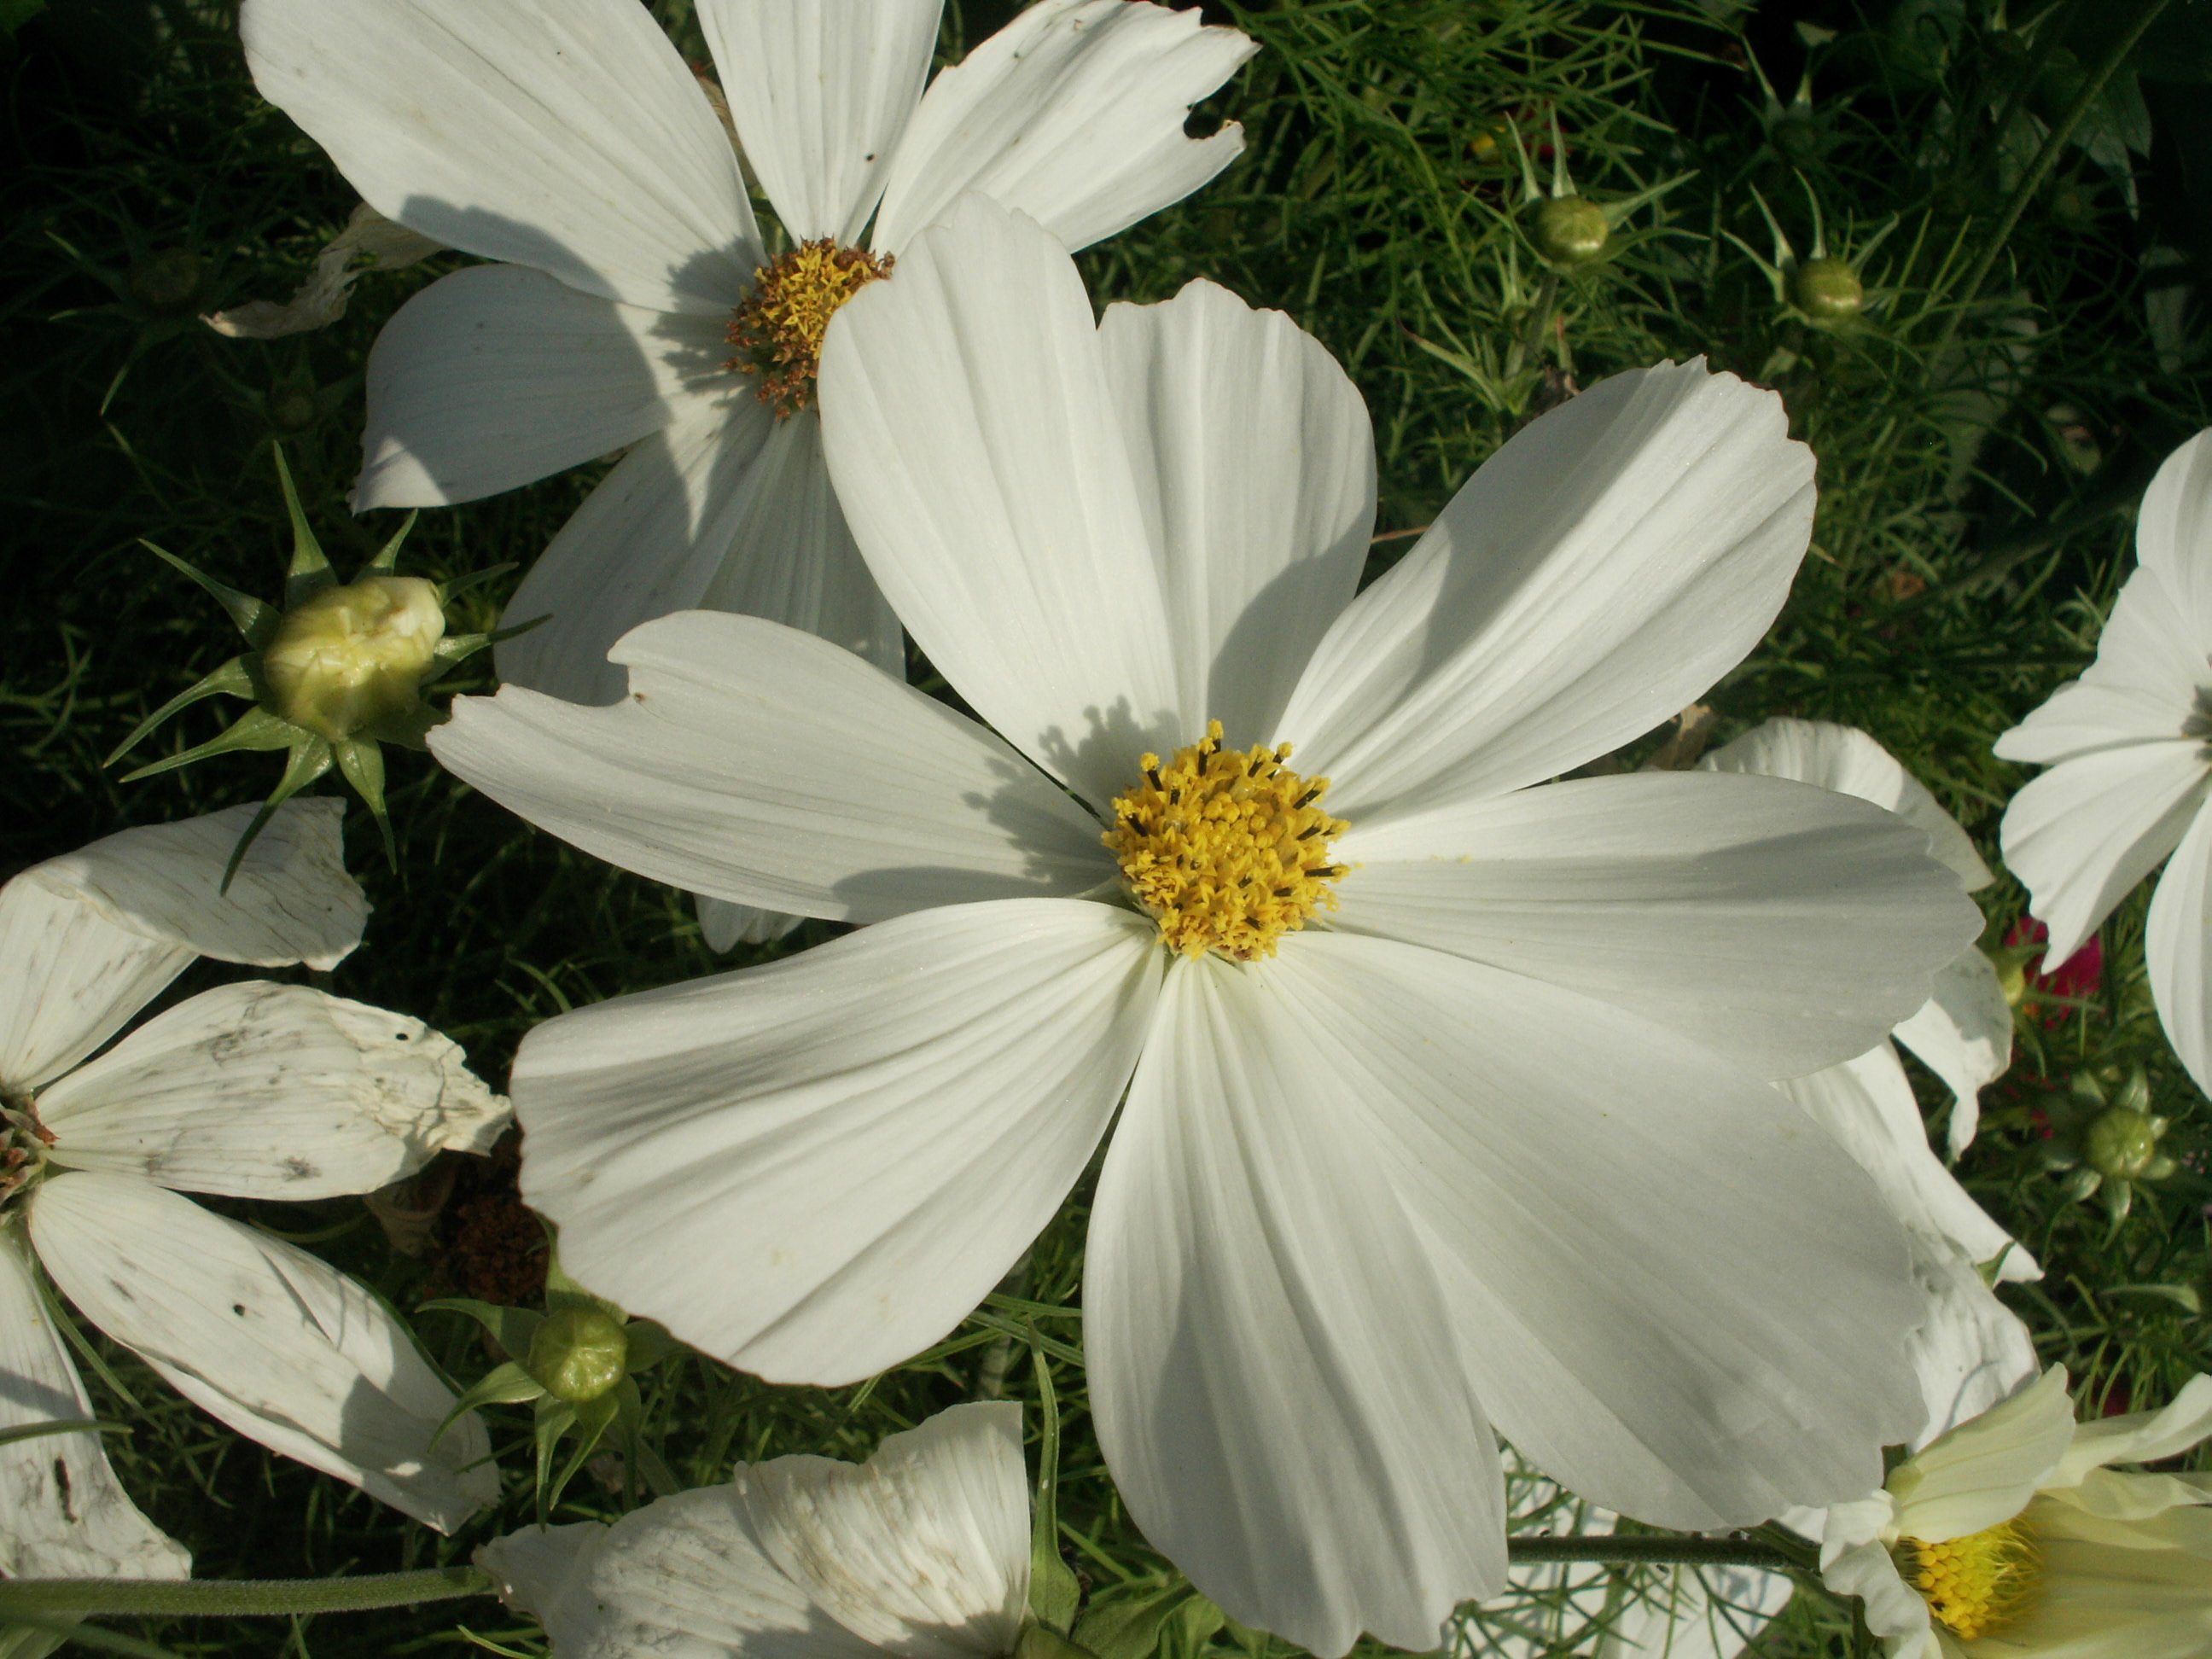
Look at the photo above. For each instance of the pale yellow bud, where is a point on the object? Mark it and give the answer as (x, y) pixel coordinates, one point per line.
(355, 655)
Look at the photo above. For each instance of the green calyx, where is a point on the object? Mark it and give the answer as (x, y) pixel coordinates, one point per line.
(333, 674)
(2106, 1137)
(2121, 1145)
(577, 1364)
(1569, 230)
(1827, 289)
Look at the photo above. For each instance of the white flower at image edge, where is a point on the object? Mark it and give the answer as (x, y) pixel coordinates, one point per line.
(254, 1091)
(2131, 770)
(1487, 1142)
(1972, 1351)
(2013, 1537)
(923, 1551)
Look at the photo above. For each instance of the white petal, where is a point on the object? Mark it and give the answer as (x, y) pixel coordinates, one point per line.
(565, 135)
(1608, 565)
(262, 1091)
(2083, 833)
(726, 925)
(63, 1513)
(1255, 464)
(1971, 1351)
(1894, 1611)
(1963, 1034)
(814, 1169)
(498, 375)
(283, 1348)
(760, 765)
(682, 1579)
(647, 542)
(2145, 685)
(2139, 1436)
(90, 937)
(2175, 945)
(819, 95)
(1786, 926)
(1625, 1226)
(971, 434)
(1985, 1471)
(2173, 531)
(1845, 759)
(924, 1549)
(1074, 114)
(1247, 1272)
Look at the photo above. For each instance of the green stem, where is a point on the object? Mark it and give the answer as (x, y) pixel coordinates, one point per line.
(2047, 158)
(1649, 1550)
(233, 1598)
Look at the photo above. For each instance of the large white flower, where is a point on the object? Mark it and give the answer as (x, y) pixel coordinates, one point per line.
(923, 1552)
(567, 140)
(2013, 1537)
(253, 1091)
(1485, 1142)
(1972, 1351)
(2131, 771)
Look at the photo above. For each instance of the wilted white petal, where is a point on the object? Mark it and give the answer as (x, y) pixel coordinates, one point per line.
(262, 1091)
(321, 300)
(280, 1346)
(1963, 1035)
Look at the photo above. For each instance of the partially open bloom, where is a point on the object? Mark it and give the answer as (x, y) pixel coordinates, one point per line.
(252, 1090)
(1444, 1084)
(923, 1550)
(2130, 769)
(636, 303)
(2013, 1536)
(1971, 1350)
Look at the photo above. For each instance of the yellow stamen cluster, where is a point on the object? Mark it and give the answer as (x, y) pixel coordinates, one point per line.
(1977, 1583)
(778, 331)
(1227, 848)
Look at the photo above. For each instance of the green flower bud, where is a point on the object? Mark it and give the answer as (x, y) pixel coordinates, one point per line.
(355, 655)
(2122, 1144)
(168, 284)
(579, 1354)
(1570, 230)
(1796, 138)
(1827, 289)
(292, 410)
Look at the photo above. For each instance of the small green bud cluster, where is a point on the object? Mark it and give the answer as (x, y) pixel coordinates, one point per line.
(2108, 1138)
(1569, 230)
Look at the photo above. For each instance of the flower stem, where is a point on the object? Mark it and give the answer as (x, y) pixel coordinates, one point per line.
(1654, 1550)
(2092, 88)
(234, 1598)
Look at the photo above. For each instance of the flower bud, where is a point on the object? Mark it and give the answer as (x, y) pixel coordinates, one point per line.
(1827, 289)
(353, 656)
(1570, 230)
(579, 1354)
(168, 284)
(2122, 1144)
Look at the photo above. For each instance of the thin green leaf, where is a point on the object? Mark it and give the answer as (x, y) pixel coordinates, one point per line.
(233, 679)
(310, 572)
(255, 620)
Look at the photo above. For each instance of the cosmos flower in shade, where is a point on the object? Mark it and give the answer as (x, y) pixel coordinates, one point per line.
(923, 1552)
(252, 1090)
(1971, 1350)
(1445, 1085)
(2014, 1537)
(2130, 769)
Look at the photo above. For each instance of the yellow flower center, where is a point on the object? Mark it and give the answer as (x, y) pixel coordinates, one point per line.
(1977, 1583)
(778, 330)
(1227, 848)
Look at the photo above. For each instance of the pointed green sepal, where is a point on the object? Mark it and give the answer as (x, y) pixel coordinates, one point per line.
(1054, 1591)
(257, 728)
(254, 619)
(310, 572)
(1130, 1624)
(461, 585)
(233, 679)
(361, 765)
(460, 647)
(387, 556)
(311, 757)
(503, 1385)
(563, 1292)
(510, 1328)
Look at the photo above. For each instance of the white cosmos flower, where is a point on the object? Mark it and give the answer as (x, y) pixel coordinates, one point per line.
(2130, 769)
(1972, 1351)
(253, 1090)
(1488, 1142)
(566, 140)
(2013, 1537)
(923, 1552)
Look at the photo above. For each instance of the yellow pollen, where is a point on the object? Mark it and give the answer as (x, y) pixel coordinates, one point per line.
(778, 330)
(1227, 848)
(1977, 1583)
